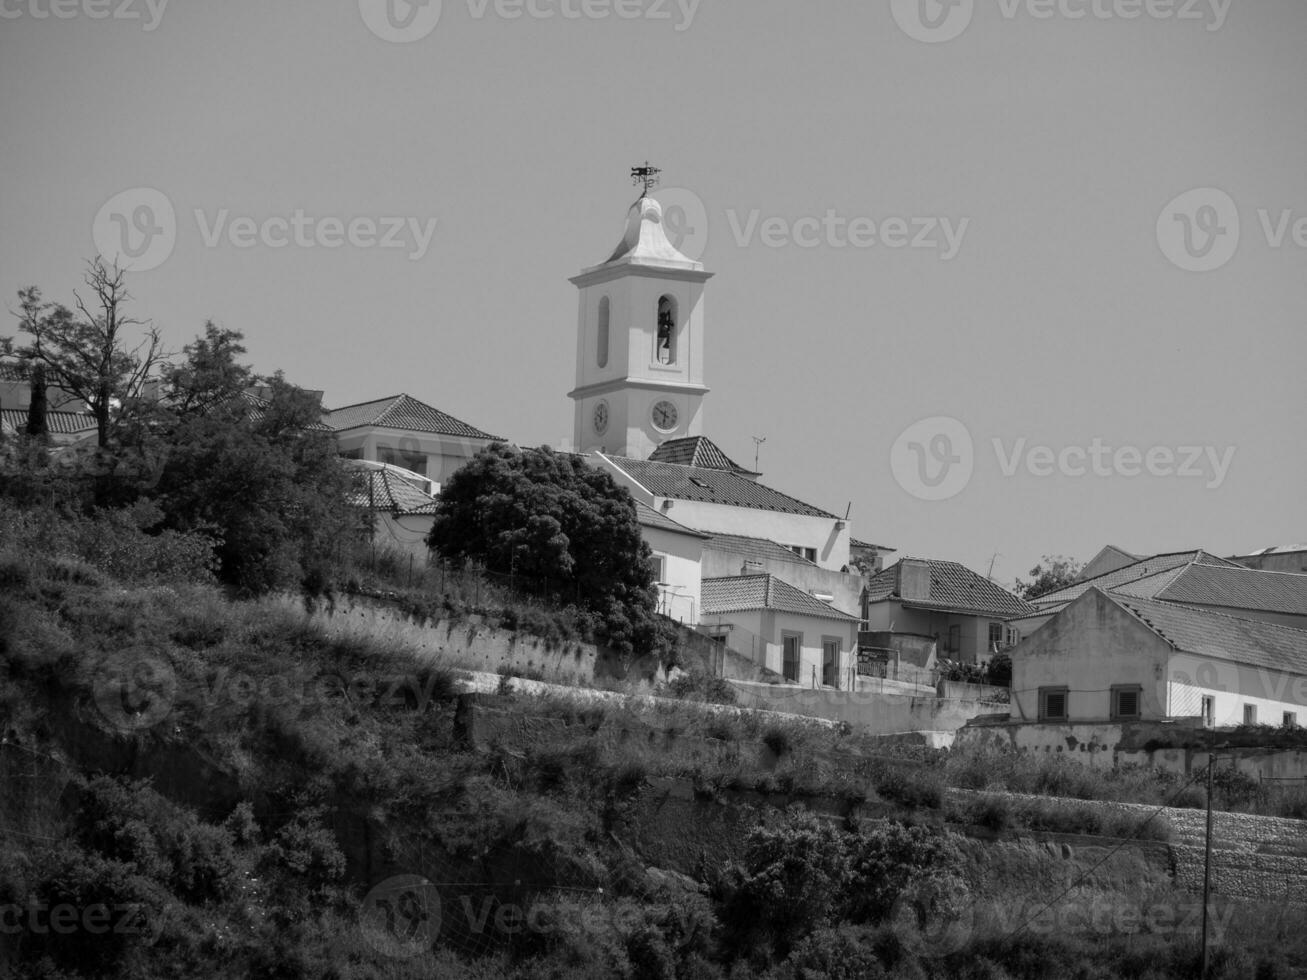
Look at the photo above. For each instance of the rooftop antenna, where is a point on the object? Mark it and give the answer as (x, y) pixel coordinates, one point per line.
(757, 445)
(646, 175)
(997, 556)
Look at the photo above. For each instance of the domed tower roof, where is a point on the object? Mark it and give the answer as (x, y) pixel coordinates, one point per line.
(645, 241)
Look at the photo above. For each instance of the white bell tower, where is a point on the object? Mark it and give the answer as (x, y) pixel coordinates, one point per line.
(639, 345)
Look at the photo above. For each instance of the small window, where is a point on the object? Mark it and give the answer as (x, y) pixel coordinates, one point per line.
(995, 637)
(1125, 701)
(1209, 711)
(1052, 704)
(601, 355)
(350, 454)
(1291, 719)
(1250, 714)
(665, 338)
(657, 565)
(809, 553)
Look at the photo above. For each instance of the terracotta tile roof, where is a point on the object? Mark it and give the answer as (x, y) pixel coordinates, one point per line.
(712, 486)
(696, 451)
(1212, 634)
(1231, 588)
(652, 518)
(387, 491)
(742, 593)
(759, 549)
(403, 412)
(59, 423)
(256, 408)
(952, 587)
(855, 543)
(13, 371)
(1130, 573)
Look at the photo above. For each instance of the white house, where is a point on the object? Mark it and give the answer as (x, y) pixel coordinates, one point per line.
(1110, 657)
(807, 641)
(405, 432)
(677, 557)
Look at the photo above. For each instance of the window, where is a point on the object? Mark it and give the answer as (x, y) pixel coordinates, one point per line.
(1052, 704)
(601, 355)
(1125, 701)
(665, 339)
(954, 644)
(1291, 719)
(350, 454)
(417, 462)
(830, 662)
(1209, 711)
(802, 552)
(657, 566)
(790, 646)
(995, 637)
(1250, 714)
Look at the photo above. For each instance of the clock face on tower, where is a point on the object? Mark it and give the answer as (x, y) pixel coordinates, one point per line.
(601, 418)
(664, 416)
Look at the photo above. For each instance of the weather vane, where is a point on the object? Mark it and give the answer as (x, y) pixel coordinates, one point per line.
(647, 175)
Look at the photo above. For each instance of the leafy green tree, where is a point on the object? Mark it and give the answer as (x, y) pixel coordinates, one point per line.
(545, 515)
(269, 488)
(1053, 573)
(792, 880)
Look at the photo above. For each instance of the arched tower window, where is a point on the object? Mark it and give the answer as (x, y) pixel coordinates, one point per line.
(665, 342)
(602, 353)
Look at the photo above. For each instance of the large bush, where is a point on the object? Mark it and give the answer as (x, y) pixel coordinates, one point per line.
(558, 523)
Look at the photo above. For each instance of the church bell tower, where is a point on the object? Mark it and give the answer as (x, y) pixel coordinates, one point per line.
(639, 344)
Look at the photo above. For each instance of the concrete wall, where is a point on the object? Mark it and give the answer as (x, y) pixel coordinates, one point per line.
(405, 533)
(679, 594)
(1090, 647)
(845, 588)
(871, 712)
(974, 640)
(820, 533)
(1112, 744)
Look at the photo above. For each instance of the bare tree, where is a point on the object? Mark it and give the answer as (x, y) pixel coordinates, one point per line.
(86, 351)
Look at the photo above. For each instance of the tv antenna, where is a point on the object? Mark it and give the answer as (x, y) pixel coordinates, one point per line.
(757, 445)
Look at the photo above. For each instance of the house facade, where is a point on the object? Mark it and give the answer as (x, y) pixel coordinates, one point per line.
(966, 614)
(677, 564)
(1108, 657)
(808, 642)
(408, 433)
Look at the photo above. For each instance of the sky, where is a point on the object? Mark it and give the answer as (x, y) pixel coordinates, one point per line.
(1001, 278)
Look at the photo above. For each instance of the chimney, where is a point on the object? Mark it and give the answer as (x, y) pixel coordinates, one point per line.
(914, 579)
